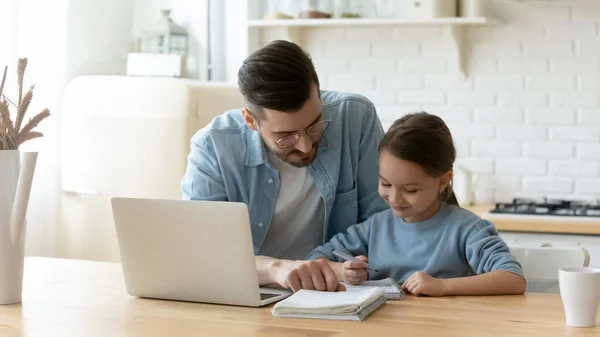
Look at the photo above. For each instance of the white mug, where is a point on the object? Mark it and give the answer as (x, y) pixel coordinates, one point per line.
(580, 293)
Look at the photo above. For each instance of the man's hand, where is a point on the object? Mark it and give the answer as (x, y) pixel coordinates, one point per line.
(355, 272)
(310, 275)
(420, 283)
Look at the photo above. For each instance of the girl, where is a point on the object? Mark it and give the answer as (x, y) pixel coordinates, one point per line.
(425, 240)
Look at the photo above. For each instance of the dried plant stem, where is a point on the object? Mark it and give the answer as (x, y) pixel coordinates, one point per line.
(20, 76)
(3, 80)
(3, 141)
(11, 102)
(11, 135)
(7, 125)
(2, 126)
(23, 137)
(8, 139)
(23, 108)
(33, 122)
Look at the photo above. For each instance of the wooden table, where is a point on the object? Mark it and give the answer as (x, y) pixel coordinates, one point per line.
(85, 299)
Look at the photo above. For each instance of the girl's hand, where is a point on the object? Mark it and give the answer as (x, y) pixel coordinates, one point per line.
(420, 283)
(355, 272)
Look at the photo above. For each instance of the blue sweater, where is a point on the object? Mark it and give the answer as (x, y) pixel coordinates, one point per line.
(453, 243)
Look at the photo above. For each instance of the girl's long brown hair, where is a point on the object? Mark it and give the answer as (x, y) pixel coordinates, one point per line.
(424, 139)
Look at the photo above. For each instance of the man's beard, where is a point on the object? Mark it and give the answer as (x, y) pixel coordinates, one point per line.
(301, 162)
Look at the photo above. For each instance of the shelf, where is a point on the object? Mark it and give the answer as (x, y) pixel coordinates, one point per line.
(369, 22)
(292, 29)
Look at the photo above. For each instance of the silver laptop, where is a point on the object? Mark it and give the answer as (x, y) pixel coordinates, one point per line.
(197, 251)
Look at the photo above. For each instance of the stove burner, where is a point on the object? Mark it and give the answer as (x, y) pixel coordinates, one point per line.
(547, 206)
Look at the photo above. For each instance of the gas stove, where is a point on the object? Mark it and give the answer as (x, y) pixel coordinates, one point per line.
(551, 207)
(546, 209)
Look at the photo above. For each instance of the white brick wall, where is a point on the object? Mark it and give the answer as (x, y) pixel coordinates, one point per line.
(496, 149)
(372, 65)
(588, 187)
(338, 49)
(492, 82)
(590, 116)
(574, 168)
(548, 184)
(496, 115)
(404, 82)
(574, 65)
(471, 98)
(549, 150)
(527, 118)
(571, 31)
(476, 164)
(488, 182)
(523, 65)
(550, 116)
(523, 133)
(422, 64)
(582, 99)
(451, 114)
(396, 49)
(446, 82)
(471, 131)
(588, 151)
(574, 134)
(554, 82)
(520, 98)
(421, 97)
(521, 166)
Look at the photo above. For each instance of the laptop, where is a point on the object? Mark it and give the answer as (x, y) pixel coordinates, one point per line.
(195, 251)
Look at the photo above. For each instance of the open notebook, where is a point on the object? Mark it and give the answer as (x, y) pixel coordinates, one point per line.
(343, 305)
(389, 285)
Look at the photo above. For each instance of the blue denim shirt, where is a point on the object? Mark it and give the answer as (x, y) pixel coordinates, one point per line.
(228, 162)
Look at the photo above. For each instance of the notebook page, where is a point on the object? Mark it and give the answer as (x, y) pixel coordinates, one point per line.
(388, 285)
(311, 299)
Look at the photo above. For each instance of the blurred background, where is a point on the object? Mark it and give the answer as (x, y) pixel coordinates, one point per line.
(129, 81)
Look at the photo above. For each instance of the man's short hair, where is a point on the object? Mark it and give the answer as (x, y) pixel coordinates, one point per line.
(279, 76)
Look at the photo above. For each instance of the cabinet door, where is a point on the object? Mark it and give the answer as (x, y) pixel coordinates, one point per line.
(590, 243)
(511, 239)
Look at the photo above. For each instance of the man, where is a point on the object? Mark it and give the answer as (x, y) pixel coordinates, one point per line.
(305, 162)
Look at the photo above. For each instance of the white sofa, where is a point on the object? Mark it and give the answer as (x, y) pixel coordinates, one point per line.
(126, 136)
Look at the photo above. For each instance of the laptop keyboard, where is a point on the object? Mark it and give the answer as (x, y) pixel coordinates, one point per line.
(266, 296)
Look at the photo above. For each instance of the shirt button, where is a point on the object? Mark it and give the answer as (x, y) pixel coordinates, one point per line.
(270, 181)
(260, 225)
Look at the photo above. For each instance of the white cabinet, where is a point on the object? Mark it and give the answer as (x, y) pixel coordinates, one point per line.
(590, 242)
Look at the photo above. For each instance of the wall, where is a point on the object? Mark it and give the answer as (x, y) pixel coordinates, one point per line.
(37, 32)
(527, 119)
(62, 39)
(65, 39)
(98, 37)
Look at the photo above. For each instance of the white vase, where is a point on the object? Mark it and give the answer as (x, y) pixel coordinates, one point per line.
(16, 175)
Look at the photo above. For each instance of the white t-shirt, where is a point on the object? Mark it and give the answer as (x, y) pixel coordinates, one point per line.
(297, 224)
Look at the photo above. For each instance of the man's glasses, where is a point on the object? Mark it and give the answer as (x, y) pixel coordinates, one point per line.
(313, 130)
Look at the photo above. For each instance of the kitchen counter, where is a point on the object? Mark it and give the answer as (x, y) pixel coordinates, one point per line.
(538, 224)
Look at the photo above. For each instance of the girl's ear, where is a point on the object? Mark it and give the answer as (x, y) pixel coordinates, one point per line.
(445, 180)
(249, 119)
